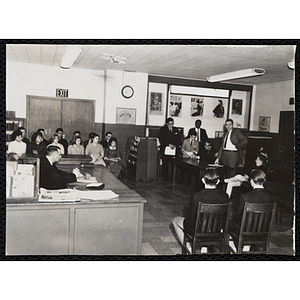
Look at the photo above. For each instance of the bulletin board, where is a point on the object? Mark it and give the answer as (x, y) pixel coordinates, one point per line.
(186, 109)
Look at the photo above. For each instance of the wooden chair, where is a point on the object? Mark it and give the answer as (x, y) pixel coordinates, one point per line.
(211, 229)
(254, 230)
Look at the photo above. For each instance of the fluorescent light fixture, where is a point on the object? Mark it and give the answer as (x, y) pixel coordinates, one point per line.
(236, 74)
(113, 59)
(69, 57)
(189, 90)
(291, 65)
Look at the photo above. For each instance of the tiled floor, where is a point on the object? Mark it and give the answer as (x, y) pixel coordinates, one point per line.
(164, 202)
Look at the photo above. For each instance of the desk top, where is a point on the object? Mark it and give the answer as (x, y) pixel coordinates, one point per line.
(199, 164)
(66, 158)
(102, 174)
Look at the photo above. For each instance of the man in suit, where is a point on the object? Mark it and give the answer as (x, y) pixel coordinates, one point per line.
(190, 145)
(232, 146)
(168, 136)
(209, 153)
(210, 194)
(52, 178)
(258, 195)
(201, 135)
(61, 140)
(24, 140)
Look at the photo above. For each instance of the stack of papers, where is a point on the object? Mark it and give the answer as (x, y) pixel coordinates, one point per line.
(74, 195)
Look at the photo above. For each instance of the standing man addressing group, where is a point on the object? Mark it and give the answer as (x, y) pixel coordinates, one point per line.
(169, 136)
(201, 135)
(232, 146)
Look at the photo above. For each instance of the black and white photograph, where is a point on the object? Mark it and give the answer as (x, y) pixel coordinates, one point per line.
(72, 150)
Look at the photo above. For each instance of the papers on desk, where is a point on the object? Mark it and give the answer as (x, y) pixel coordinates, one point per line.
(62, 195)
(66, 195)
(170, 151)
(97, 195)
(84, 180)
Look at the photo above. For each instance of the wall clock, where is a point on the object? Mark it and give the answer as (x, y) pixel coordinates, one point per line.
(127, 91)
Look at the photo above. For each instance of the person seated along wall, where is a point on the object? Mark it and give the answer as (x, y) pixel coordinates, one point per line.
(42, 131)
(50, 176)
(16, 145)
(36, 146)
(24, 140)
(190, 147)
(89, 140)
(210, 194)
(76, 133)
(112, 157)
(96, 151)
(209, 153)
(54, 142)
(258, 195)
(239, 180)
(105, 142)
(76, 147)
(61, 140)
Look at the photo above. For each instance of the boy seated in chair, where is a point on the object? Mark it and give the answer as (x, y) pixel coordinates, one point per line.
(210, 194)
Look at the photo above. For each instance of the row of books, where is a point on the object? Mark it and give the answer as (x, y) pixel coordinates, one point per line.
(12, 125)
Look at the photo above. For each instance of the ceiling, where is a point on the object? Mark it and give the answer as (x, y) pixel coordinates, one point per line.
(184, 61)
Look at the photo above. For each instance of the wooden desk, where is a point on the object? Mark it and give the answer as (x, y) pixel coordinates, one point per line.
(65, 159)
(112, 227)
(196, 166)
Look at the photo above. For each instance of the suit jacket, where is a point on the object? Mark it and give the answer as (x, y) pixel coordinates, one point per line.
(203, 136)
(261, 196)
(167, 137)
(208, 156)
(186, 145)
(52, 178)
(238, 139)
(65, 144)
(210, 196)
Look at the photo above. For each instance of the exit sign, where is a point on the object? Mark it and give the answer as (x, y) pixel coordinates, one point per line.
(62, 93)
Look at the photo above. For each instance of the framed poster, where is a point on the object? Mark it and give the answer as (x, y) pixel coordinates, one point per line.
(126, 115)
(175, 106)
(237, 106)
(156, 103)
(264, 124)
(197, 107)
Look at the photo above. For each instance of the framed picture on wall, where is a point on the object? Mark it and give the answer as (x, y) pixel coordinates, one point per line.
(197, 107)
(264, 124)
(156, 104)
(126, 115)
(175, 106)
(237, 106)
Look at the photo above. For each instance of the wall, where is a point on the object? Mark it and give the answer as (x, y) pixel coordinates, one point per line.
(269, 100)
(29, 79)
(115, 81)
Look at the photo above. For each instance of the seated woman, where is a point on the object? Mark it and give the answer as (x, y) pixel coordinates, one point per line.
(113, 158)
(237, 180)
(95, 150)
(54, 142)
(16, 146)
(76, 147)
(36, 146)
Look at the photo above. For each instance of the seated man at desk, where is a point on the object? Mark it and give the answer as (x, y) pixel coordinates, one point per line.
(50, 176)
(209, 153)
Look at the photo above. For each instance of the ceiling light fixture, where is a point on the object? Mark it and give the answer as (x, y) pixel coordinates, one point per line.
(291, 65)
(69, 57)
(236, 75)
(113, 59)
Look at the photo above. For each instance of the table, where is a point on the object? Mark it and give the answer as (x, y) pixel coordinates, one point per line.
(111, 227)
(196, 166)
(65, 159)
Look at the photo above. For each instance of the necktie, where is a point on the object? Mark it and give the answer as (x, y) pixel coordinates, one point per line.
(226, 138)
(191, 142)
